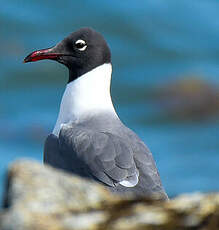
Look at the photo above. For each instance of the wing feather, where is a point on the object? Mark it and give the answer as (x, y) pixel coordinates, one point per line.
(108, 157)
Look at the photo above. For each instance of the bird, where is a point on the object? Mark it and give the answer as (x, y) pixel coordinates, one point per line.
(89, 139)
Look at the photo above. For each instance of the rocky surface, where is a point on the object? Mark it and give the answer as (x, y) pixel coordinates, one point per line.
(42, 198)
(188, 99)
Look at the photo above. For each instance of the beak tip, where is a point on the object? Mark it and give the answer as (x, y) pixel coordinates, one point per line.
(27, 59)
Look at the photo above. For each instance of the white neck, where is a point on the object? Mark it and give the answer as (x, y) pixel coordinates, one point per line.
(87, 95)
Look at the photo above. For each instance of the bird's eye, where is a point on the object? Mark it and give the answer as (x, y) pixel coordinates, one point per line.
(81, 45)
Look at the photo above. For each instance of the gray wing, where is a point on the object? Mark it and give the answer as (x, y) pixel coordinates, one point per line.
(62, 158)
(149, 178)
(51, 151)
(149, 181)
(106, 156)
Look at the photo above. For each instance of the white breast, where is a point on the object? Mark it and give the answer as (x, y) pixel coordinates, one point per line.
(89, 94)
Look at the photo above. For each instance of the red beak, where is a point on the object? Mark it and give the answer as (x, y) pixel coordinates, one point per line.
(41, 54)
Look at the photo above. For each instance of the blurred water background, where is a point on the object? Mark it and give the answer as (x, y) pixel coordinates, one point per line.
(165, 79)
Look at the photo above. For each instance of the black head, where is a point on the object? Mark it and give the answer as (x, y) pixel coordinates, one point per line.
(81, 52)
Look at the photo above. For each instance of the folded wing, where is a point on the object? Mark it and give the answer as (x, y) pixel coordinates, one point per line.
(108, 157)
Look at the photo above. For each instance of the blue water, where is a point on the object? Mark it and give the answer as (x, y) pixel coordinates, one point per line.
(153, 43)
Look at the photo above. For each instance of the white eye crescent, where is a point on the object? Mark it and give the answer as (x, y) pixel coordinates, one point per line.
(81, 45)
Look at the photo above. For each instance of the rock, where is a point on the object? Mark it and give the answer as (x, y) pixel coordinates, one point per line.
(43, 198)
(190, 98)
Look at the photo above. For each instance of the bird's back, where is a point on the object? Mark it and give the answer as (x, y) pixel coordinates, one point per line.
(104, 149)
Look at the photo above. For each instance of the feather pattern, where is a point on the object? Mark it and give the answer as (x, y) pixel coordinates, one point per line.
(110, 153)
